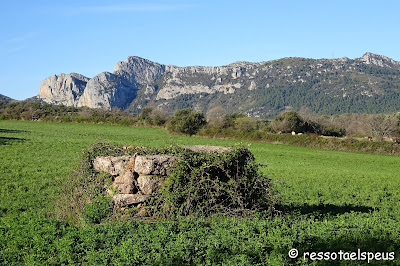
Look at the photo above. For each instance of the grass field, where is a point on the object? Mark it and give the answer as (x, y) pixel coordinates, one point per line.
(330, 201)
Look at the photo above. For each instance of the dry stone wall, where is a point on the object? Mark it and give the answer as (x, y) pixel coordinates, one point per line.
(135, 177)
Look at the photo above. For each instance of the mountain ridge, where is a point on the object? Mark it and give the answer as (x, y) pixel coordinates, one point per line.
(6, 99)
(260, 89)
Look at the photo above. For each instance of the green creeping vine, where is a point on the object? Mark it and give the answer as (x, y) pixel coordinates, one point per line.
(209, 183)
(201, 184)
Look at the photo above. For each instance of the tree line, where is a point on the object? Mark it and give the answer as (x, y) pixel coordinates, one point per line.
(217, 122)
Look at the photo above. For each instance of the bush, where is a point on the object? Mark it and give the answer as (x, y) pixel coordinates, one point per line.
(215, 116)
(230, 119)
(333, 131)
(158, 117)
(288, 122)
(187, 121)
(145, 115)
(152, 116)
(27, 115)
(246, 124)
(59, 113)
(211, 183)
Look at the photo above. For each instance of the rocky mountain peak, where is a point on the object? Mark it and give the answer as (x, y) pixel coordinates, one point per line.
(378, 60)
(63, 88)
(139, 70)
(240, 64)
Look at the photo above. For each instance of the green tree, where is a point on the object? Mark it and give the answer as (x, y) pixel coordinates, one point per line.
(288, 122)
(230, 119)
(187, 121)
(152, 115)
(246, 124)
(145, 115)
(215, 116)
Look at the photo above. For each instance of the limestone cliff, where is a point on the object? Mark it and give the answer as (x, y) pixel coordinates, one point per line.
(379, 60)
(107, 90)
(258, 89)
(62, 89)
(138, 70)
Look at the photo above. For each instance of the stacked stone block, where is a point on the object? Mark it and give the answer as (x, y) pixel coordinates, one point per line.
(135, 177)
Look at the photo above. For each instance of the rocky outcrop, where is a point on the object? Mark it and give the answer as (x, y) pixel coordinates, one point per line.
(63, 89)
(107, 90)
(138, 70)
(195, 80)
(379, 60)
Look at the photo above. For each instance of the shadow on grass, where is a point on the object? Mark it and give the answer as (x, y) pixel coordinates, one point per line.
(324, 209)
(3, 130)
(9, 141)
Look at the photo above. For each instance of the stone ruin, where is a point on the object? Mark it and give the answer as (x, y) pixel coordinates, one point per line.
(136, 177)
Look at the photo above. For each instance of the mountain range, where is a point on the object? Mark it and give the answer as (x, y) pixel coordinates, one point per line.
(369, 84)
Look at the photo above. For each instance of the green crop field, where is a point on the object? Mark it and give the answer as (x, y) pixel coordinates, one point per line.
(329, 201)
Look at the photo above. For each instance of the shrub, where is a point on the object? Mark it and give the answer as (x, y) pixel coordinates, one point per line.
(210, 183)
(230, 119)
(288, 122)
(187, 121)
(59, 113)
(215, 116)
(246, 124)
(153, 116)
(27, 115)
(333, 131)
(145, 114)
(158, 117)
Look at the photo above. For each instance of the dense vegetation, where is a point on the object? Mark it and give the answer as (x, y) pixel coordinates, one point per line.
(187, 121)
(368, 133)
(329, 201)
(58, 113)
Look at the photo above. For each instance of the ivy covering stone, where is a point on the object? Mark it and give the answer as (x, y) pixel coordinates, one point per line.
(166, 183)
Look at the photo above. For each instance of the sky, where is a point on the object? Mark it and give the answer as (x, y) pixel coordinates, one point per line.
(41, 38)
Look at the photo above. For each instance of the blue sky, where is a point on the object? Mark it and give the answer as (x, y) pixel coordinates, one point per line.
(40, 38)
